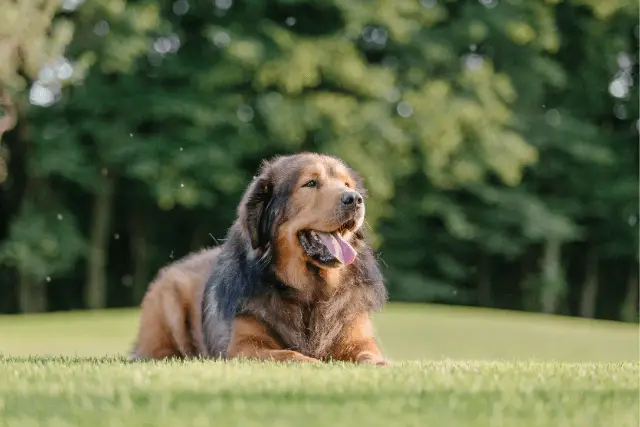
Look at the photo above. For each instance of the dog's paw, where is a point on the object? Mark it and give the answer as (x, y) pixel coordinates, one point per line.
(376, 362)
(305, 359)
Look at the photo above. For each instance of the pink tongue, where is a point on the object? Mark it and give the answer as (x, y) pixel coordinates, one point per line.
(338, 247)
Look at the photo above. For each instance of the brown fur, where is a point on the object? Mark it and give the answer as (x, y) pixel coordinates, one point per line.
(251, 339)
(171, 310)
(259, 295)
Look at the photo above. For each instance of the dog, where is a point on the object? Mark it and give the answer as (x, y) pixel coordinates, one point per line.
(294, 280)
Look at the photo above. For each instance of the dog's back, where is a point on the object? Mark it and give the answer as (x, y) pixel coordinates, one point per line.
(171, 310)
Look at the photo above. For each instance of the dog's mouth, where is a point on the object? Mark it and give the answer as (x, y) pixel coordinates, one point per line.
(329, 248)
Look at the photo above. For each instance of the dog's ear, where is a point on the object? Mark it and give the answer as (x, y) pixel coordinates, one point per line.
(253, 208)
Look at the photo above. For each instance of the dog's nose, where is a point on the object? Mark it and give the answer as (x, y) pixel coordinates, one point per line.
(351, 197)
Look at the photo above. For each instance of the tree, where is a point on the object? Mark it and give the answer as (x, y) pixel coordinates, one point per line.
(48, 153)
(469, 74)
(26, 44)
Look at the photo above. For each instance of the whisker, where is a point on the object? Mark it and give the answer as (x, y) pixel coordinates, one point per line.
(379, 257)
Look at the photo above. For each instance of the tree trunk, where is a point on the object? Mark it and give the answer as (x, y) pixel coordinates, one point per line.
(629, 311)
(33, 295)
(484, 281)
(140, 254)
(590, 286)
(96, 287)
(524, 284)
(552, 283)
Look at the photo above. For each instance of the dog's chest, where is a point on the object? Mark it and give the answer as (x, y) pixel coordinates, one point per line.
(311, 329)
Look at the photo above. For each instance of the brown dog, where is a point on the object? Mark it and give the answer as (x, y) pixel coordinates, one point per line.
(294, 280)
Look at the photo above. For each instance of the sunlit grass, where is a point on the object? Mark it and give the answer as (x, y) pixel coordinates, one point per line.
(111, 392)
(443, 376)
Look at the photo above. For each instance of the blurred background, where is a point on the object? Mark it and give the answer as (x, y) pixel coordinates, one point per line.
(498, 140)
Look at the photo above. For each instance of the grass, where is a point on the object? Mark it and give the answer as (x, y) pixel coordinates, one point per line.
(454, 367)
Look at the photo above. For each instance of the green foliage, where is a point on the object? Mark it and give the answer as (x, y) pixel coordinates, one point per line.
(43, 241)
(29, 38)
(552, 106)
(486, 132)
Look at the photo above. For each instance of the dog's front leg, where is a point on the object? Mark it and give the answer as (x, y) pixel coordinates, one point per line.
(250, 339)
(357, 343)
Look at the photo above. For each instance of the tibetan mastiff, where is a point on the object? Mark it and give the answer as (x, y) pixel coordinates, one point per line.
(295, 279)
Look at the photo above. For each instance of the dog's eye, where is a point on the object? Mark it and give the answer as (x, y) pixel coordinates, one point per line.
(311, 184)
(347, 184)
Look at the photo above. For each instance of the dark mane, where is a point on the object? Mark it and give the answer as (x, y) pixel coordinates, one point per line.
(238, 277)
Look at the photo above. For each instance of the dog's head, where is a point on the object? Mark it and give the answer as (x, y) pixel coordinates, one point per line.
(308, 209)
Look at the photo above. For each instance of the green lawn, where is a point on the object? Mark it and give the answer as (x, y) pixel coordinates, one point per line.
(454, 367)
